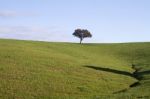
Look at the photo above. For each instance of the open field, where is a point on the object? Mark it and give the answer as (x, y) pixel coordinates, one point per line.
(44, 70)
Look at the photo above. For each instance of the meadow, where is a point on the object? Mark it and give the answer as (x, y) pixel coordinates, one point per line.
(51, 70)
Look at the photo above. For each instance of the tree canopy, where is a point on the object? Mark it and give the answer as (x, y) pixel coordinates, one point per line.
(82, 33)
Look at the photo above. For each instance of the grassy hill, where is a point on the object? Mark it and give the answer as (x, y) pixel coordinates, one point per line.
(44, 70)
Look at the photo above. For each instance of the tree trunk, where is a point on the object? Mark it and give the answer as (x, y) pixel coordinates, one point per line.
(80, 41)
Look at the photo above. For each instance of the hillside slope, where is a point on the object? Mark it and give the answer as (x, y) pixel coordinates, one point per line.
(30, 70)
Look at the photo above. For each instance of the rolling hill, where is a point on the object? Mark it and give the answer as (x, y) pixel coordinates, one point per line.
(45, 70)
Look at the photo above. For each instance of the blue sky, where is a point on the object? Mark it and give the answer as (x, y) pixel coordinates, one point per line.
(56, 20)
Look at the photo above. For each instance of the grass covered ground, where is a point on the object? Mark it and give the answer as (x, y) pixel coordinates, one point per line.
(44, 70)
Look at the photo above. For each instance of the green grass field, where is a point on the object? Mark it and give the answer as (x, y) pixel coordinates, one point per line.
(46, 70)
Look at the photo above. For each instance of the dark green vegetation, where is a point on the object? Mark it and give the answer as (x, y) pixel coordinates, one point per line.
(37, 70)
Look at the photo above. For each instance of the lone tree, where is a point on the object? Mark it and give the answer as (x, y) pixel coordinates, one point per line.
(82, 33)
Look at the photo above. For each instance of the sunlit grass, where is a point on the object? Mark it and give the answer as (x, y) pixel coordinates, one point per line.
(58, 70)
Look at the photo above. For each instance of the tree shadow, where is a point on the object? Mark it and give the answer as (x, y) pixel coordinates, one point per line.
(137, 75)
(111, 70)
(144, 72)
